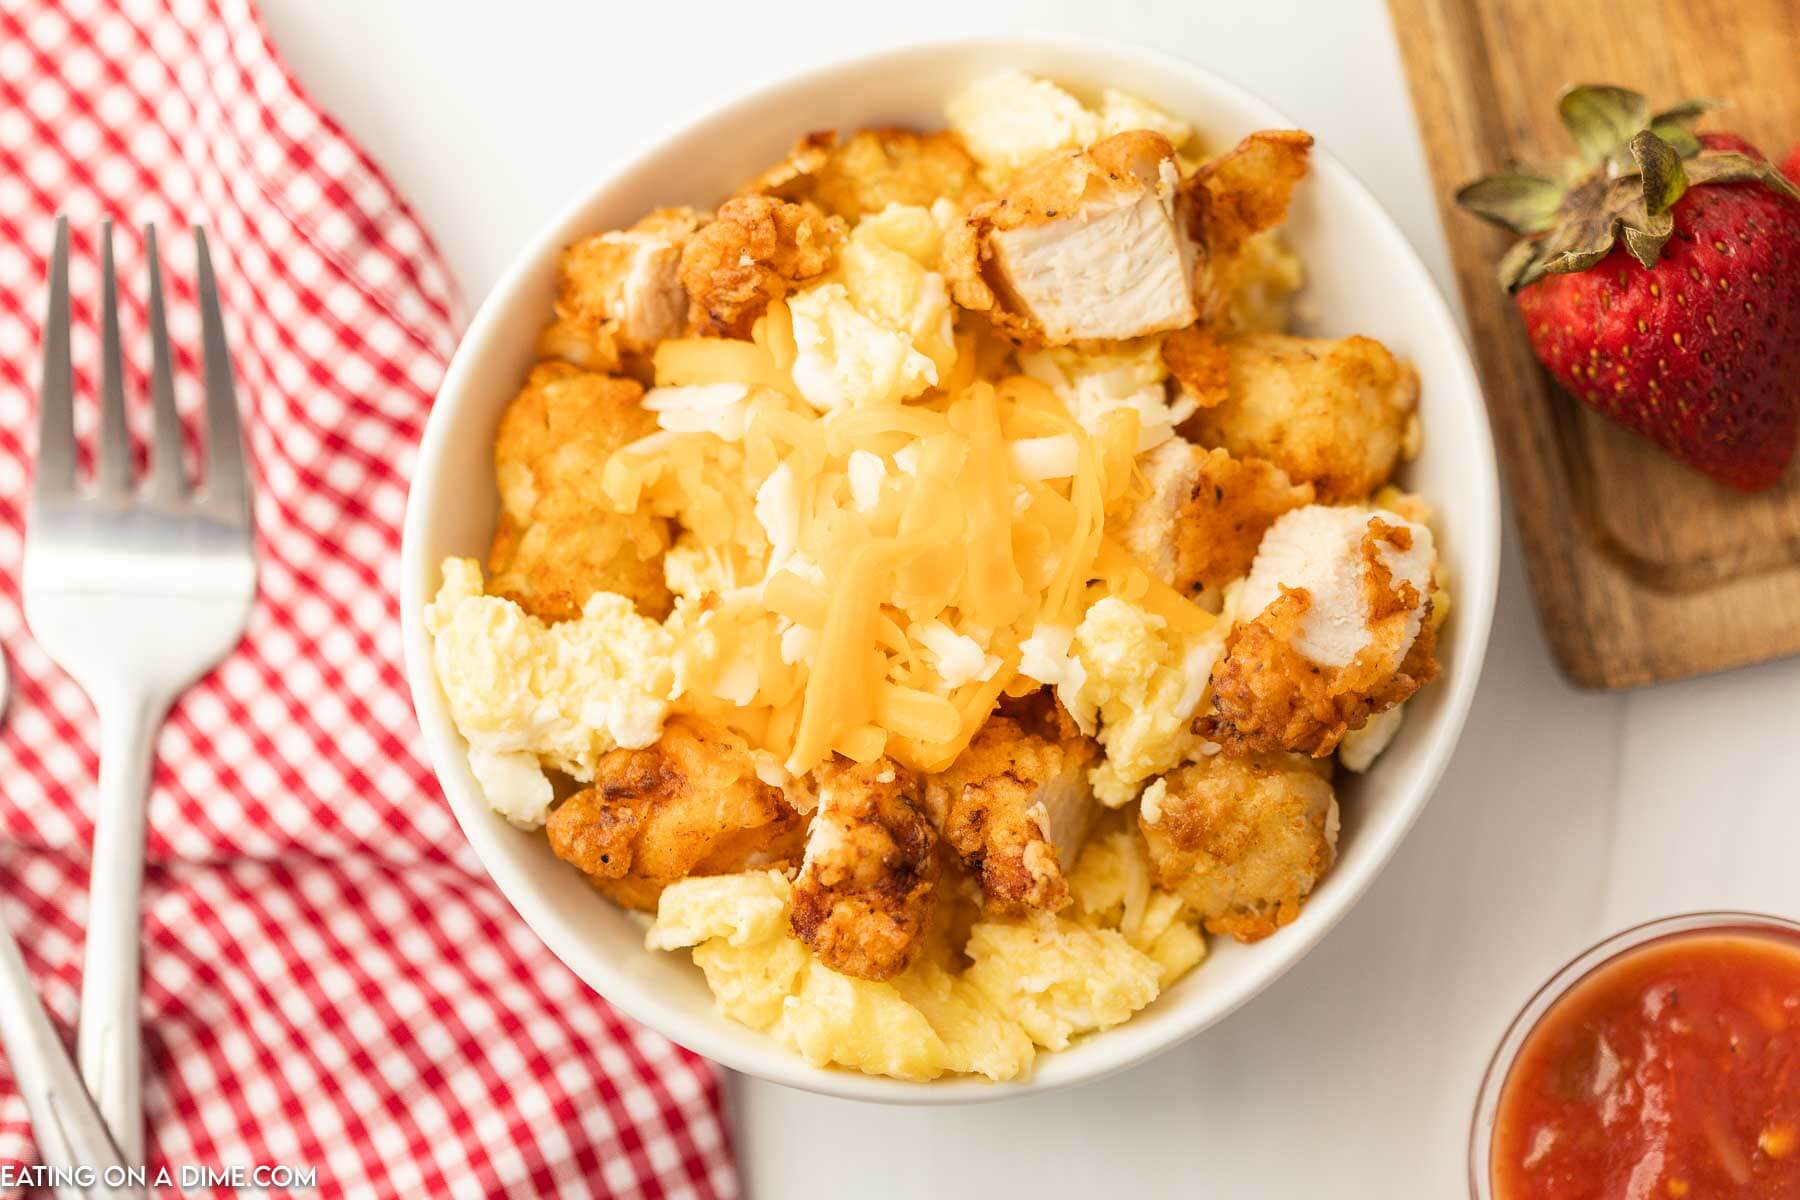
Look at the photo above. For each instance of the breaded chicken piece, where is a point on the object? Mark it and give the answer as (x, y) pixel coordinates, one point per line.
(1204, 515)
(1016, 806)
(865, 888)
(620, 293)
(689, 805)
(1242, 840)
(755, 251)
(1338, 629)
(1338, 414)
(1232, 198)
(558, 541)
(870, 170)
(1087, 243)
(1200, 362)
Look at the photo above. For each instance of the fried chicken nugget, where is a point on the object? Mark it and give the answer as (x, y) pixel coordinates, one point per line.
(1082, 244)
(689, 805)
(1338, 414)
(1235, 196)
(870, 170)
(756, 250)
(558, 542)
(1243, 840)
(865, 888)
(1016, 807)
(1204, 515)
(620, 293)
(1347, 633)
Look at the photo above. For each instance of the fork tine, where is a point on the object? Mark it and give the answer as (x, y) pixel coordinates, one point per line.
(112, 466)
(167, 479)
(55, 473)
(227, 479)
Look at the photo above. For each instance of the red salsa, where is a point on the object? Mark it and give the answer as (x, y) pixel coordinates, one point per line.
(1670, 1071)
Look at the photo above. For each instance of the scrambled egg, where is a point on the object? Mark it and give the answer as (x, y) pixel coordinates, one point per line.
(1113, 890)
(1030, 983)
(1142, 682)
(1092, 383)
(1009, 119)
(846, 358)
(888, 267)
(566, 692)
(1269, 275)
(880, 331)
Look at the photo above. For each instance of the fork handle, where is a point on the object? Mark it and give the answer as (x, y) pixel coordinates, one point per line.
(68, 1130)
(109, 1040)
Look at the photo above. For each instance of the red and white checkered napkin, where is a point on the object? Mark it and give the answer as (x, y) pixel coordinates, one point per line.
(331, 981)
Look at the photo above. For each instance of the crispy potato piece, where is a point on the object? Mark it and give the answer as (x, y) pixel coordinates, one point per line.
(757, 249)
(1016, 806)
(1082, 244)
(870, 170)
(1204, 515)
(1235, 196)
(1338, 414)
(689, 805)
(619, 293)
(865, 889)
(1243, 840)
(1270, 696)
(558, 542)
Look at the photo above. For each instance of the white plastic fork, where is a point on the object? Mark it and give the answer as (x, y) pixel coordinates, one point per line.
(136, 590)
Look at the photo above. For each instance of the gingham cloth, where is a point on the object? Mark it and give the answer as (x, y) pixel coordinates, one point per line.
(331, 982)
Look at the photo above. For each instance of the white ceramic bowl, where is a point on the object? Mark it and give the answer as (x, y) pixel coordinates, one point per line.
(1363, 277)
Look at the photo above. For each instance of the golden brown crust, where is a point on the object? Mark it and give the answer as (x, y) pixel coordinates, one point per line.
(865, 890)
(1200, 363)
(1333, 413)
(967, 255)
(1051, 189)
(557, 542)
(870, 170)
(689, 805)
(1243, 840)
(617, 294)
(1205, 514)
(1236, 195)
(1230, 507)
(1040, 714)
(1268, 697)
(991, 797)
(755, 251)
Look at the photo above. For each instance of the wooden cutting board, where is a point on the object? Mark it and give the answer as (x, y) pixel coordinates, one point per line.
(1643, 569)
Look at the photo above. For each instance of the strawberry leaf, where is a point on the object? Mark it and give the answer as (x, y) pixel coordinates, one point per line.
(1688, 111)
(1738, 168)
(1681, 139)
(1660, 167)
(1518, 202)
(1601, 118)
(1675, 124)
(1516, 263)
(1645, 242)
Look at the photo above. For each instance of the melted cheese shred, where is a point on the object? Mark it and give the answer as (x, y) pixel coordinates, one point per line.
(985, 522)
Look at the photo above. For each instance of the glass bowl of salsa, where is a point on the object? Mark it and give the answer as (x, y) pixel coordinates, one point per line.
(1662, 1063)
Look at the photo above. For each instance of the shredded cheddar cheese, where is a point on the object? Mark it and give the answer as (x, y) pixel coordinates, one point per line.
(868, 569)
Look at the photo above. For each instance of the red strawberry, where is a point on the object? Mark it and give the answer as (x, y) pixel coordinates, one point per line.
(1790, 166)
(1662, 286)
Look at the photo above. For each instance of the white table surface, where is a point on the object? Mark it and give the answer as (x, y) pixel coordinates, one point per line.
(1563, 816)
